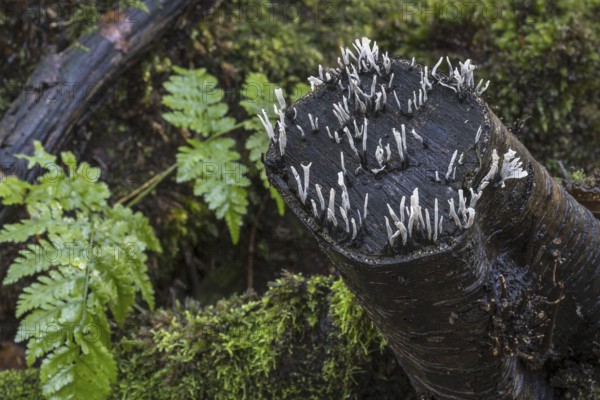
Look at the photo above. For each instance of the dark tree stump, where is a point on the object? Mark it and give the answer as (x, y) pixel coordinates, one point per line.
(504, 295)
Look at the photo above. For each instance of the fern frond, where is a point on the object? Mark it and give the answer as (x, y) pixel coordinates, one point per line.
(70, 373)
(218, 178)
(13, 190)
(195, 101)
(30, 261)
(49, 289)
(21, 231)
(82, 274)
(40, 156)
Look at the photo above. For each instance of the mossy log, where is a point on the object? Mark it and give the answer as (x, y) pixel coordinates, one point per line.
(304, 339)
(473, 263)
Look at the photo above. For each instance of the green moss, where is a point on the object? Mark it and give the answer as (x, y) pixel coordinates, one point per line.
(20, 385)
(541, 56)
(305, 338)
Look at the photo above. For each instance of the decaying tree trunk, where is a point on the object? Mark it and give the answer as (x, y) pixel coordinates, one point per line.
(477, 267)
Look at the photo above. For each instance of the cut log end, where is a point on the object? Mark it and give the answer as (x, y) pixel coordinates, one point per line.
(399, 149)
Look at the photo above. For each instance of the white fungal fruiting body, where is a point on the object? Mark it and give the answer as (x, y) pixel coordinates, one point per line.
(397, 101)
(390, 233)
(398, 139)
(511, 167)
(350, 140)
(331, 207)
(299, 183)
(402, 208)
(320, 196)
(345, 197)
(364, 137)
(393, 214)
(453, 214)
(280, 99)
(451, 165)
(471, 218)
(302, 190)
(267, 124)
(345, 218)
(379, 155)
(491, 173)
(314, 207)
(417, 136)
(403, 232)
(434, 70)
(478, 134)
(435, 221)
(282, 138)
(314, 124)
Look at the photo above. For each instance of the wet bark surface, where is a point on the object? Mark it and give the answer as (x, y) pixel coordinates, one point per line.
(496, 307)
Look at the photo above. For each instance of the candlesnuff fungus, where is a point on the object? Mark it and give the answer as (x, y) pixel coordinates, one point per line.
(452, 267)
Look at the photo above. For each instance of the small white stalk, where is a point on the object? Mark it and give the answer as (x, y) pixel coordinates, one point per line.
(435, 221)
(320, 196)
(314, 208)
(393, 214)
(268, 126)
(280, 99)
(417, 136)
(471, 218)
(428, 224)
(398, 139)
(397, 101)
(345, 197)
(453, 214)
(345, 218)
(451, 165)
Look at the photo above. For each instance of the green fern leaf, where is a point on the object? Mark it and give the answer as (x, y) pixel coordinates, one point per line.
(195, 101)
(218, 178)
(70, 373)
(40, 156)
(30, 261)
(81, 274)
(48, 289)
(13, 190)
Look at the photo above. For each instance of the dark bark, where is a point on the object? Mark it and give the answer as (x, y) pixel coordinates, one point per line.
(491, 311)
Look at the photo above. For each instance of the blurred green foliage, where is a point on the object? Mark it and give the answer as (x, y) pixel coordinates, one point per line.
(541, 56)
